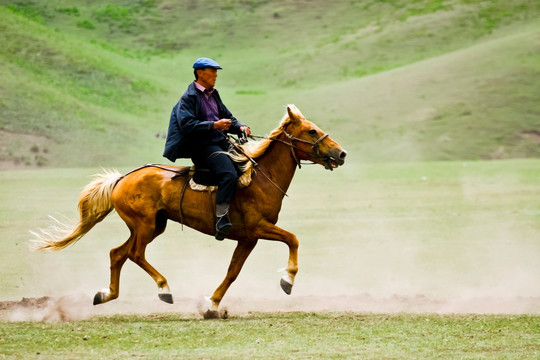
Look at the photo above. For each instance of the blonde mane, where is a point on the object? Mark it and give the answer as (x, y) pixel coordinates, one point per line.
(256, 149)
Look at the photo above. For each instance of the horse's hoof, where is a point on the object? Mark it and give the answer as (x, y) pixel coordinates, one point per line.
(99, 298)
(211, 314)
(216, 314)
(224, 314)
(286, 286)
(166, 297)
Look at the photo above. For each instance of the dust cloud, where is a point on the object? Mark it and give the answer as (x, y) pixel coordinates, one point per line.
(375, 276)
(78, 307)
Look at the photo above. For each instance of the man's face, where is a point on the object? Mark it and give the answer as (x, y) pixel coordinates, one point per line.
(207, 77)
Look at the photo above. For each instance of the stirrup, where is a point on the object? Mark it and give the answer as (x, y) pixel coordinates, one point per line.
(223, 227)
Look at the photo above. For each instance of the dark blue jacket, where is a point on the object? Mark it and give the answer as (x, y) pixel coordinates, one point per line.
(187, 128)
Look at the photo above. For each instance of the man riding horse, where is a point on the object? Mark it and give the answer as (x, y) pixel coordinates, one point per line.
(196, 130)
(147, 197)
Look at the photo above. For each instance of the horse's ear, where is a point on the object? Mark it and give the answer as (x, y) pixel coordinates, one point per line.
(295, 118)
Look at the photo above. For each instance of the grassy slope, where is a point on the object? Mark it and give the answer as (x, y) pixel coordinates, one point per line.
(85, 103)
(93, 84)
(478, 102)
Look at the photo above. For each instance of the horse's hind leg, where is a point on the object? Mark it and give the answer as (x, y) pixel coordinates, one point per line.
(134, 249)
(118, 257)
(145, 234)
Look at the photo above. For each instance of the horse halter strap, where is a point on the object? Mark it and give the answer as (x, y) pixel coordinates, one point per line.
(314, 145)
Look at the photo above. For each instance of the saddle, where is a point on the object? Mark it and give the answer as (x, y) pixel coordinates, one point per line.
(201, 179)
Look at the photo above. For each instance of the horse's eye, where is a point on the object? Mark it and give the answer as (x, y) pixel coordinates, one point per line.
(312, 132)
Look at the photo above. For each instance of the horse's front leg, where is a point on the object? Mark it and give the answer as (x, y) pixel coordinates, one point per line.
(269, 231)
(242, 251)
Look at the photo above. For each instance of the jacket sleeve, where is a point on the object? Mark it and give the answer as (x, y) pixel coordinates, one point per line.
(189, 124)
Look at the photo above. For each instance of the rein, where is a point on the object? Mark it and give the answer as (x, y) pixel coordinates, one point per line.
(292, 147)
(239, 149)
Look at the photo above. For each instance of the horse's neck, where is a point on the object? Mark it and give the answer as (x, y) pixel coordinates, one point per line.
(279, 164)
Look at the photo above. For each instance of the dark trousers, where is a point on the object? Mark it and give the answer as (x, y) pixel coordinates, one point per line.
(222, 169)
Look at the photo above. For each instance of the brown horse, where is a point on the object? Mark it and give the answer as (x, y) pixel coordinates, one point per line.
(147, 197)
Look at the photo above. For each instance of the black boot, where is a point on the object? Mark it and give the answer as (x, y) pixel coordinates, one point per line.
(223, 227)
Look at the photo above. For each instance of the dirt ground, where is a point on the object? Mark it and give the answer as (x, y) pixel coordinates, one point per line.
(76, 307)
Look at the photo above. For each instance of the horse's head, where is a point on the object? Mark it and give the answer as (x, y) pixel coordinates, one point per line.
(310, 143)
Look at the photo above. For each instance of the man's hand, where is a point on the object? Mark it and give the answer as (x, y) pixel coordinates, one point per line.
(222, 124)
(246, 130)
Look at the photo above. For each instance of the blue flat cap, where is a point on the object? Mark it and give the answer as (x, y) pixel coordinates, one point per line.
(202, 63)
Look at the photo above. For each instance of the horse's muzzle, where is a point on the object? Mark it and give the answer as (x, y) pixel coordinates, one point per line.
(335, 158)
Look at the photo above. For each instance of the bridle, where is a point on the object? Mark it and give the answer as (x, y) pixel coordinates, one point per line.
(292, 147)
(314, 146)
(291, 138)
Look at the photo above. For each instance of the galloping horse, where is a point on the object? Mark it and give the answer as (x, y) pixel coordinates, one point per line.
(147, 197)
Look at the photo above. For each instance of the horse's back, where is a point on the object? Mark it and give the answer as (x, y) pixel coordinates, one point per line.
(149, 189)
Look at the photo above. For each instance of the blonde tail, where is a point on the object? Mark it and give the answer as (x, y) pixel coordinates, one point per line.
(94, 205)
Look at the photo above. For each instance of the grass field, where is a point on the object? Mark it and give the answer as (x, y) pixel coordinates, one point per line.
(278, 336)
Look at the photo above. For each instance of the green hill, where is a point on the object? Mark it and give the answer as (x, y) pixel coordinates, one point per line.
(93, 83)
(476, 103)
